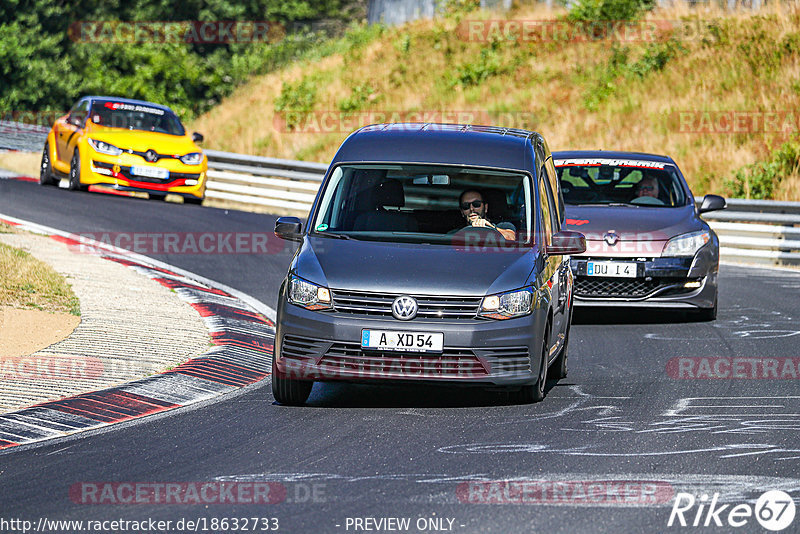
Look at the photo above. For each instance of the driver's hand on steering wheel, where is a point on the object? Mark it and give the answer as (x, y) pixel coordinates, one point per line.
(476, 221)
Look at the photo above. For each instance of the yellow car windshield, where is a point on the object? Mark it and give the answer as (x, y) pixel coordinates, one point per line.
(135, 117)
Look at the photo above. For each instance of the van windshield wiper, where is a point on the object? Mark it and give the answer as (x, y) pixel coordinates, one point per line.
(332, 235)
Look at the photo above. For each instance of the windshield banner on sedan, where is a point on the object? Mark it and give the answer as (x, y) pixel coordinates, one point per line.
(596, 162)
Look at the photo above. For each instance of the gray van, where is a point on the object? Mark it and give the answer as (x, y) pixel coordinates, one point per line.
(433, 253)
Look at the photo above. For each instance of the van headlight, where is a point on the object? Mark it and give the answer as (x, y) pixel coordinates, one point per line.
(686, 244)
(104, 148)
(507, 305)
(309, 296)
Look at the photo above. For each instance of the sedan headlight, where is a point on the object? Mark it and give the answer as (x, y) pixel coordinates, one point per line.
(507, 305)
(309, 296)
(104, 148)
(686, 244)
(195, 158)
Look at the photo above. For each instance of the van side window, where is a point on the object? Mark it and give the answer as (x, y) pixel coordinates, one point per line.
(547, 208)
(555, 223)
(555, 190)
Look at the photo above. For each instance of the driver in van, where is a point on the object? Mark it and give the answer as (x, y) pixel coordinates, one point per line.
(475, 209)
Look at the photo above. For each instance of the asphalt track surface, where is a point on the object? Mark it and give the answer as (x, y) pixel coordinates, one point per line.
(408, 452)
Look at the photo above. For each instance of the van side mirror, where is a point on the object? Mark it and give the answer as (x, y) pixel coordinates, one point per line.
(712, 203)
(197, 137)
(565, 243)
(289, 228)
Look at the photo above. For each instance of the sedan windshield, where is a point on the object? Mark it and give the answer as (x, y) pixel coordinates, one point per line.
(636, 183)
(135, 117)
(423, 204)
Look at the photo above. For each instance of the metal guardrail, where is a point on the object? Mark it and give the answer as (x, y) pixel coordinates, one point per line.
(275, 183)
(758, 231)
(752, 231)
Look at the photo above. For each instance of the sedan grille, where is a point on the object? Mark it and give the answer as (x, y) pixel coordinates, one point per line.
(430, 307)
(592, 287)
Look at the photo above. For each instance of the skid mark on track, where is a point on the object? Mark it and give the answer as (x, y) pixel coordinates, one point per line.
(737, 322)
(449, 488)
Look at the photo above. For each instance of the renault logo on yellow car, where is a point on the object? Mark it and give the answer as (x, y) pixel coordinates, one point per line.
(116, 169)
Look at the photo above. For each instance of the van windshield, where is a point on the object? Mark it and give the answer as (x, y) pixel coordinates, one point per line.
(432, 204)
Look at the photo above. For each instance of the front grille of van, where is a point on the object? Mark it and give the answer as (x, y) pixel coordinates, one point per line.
(380, 304)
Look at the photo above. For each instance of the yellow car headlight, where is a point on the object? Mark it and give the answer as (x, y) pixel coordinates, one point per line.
(104, 148)
(194, 158)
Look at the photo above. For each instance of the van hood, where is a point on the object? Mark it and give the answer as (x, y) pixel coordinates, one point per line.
(420, 269)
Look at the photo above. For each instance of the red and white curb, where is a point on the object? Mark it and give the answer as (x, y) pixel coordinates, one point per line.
(242, 330)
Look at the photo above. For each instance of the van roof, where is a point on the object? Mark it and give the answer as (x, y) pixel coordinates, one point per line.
(454, 144)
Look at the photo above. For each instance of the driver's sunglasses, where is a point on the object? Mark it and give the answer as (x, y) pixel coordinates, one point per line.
(474, 204)
(647, 188)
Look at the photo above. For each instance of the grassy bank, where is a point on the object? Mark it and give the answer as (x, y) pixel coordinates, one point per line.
(654, 95)
(28, 283)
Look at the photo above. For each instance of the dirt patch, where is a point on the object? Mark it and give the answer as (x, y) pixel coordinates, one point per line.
(24, 332)
(24, 163)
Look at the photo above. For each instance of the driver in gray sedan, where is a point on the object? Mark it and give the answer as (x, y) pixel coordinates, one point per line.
(647, 187)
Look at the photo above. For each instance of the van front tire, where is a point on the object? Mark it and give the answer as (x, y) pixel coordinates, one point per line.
(289, 391)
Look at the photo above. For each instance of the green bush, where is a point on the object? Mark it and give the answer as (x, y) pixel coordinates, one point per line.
(589, 10)
(476, 72)
(761, 179)
(44, 66)
(359, 96)
(300, 96)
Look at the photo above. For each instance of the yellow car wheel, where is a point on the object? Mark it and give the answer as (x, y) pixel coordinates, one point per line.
(75, 172)
(46, 168)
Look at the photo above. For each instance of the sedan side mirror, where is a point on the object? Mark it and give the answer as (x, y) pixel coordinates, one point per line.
(566, 242)
(712, 203)
(197, 137)
(289, 228)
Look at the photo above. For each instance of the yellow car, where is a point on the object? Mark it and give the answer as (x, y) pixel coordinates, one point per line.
(128, 145)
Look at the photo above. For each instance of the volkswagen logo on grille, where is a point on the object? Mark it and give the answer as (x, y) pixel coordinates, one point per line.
(611, 237)
(151, 155)
(404, 308)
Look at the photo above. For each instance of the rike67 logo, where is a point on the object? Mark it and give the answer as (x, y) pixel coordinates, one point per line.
(774, 510)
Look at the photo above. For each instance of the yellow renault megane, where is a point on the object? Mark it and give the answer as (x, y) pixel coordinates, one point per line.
(128, 145)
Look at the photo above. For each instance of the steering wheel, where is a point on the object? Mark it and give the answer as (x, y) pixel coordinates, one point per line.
(648, 201)
(469, 228)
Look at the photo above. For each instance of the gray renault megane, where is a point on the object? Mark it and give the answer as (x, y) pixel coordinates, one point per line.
(433, 253)
(646, 244)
